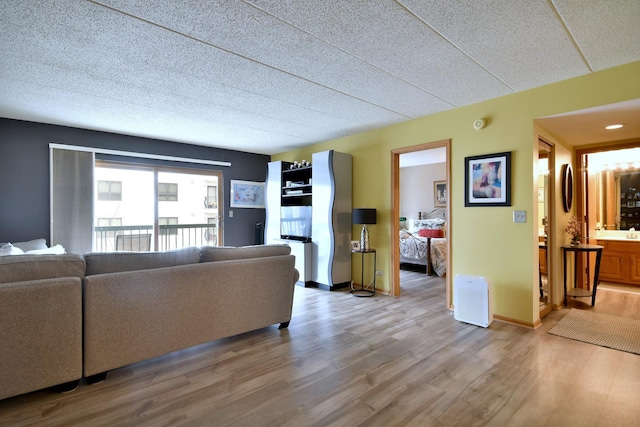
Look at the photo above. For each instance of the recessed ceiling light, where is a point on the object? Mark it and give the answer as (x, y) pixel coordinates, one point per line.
(616, 126)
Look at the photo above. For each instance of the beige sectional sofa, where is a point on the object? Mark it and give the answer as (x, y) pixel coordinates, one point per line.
(134, 306)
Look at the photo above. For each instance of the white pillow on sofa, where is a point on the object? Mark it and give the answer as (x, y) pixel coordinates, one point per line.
(31, 245)
(9, 249)
(53, 250)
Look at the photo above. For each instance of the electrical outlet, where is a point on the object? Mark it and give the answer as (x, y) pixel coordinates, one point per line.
(378, 272)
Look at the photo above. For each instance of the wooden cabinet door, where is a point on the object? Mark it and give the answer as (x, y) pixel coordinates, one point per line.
(635, 268)
(612, 266)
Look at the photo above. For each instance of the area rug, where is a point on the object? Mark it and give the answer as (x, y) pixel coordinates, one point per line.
(600, 329)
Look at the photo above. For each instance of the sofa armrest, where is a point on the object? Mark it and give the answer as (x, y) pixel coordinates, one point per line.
(18, 268)
(40, 334)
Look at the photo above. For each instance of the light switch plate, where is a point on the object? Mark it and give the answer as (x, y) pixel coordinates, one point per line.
(520, 216)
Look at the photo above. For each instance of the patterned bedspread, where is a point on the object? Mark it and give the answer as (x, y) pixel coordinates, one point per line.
(413, 250)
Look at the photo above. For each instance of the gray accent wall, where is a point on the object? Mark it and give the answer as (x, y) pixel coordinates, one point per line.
(24, 175)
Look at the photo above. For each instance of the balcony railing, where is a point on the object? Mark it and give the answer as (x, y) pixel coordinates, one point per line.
(140, 237)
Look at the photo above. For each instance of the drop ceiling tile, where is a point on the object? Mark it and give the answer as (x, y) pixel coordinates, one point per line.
(97, 113)
(521, 42)
(251, 33)
(265, 74)
(387, 36)
(189, 105)
(145, 65)
(607, 36)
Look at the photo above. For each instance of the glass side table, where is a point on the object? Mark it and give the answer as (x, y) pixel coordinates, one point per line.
(362, 292)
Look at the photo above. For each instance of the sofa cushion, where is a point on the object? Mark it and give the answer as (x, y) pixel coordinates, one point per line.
(226, 253)
(113, 262)
(35, 267)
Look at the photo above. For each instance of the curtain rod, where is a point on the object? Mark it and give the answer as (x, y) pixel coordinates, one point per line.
(138, 155)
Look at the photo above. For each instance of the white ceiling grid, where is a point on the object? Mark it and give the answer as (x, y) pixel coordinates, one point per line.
(267, 76)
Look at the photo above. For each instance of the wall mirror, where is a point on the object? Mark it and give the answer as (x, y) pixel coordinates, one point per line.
(618, 200)
(567, 187)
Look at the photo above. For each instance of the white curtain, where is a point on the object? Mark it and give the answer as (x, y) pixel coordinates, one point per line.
(72, 199)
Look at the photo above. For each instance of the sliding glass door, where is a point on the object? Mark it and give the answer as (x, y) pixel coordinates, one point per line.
(155, 208)
(187, 209)
(123, 208)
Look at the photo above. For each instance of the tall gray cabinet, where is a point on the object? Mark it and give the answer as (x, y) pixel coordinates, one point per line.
(309, 208)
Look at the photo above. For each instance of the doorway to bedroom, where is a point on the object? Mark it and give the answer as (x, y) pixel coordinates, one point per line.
(421, 176)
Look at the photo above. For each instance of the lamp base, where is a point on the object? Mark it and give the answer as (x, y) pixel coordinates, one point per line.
(364, 238)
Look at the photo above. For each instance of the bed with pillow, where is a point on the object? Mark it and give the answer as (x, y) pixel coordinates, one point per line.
(424, 243)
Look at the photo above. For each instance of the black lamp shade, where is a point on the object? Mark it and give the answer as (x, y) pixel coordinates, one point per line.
(364, 216)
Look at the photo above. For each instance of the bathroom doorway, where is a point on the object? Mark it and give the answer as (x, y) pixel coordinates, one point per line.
(545, 197)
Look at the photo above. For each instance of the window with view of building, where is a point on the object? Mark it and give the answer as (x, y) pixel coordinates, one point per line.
(154, 209)
(163, 221)
(106, 234)
(211, 201)
(110, 190)
(101, 205)
(167, 192)
(109, 222)
(211, 234)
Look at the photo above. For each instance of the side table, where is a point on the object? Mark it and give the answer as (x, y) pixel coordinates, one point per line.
(579, 292)
(362, 292)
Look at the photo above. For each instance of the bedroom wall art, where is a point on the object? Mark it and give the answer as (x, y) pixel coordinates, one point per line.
(440, 194)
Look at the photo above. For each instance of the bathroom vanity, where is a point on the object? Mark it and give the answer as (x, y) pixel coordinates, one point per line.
(620, 258)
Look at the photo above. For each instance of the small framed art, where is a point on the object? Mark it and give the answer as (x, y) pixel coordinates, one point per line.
(440, 194)
(247, 194)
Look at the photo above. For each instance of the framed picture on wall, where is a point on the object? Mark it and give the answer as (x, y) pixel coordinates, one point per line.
(247, 194)
(487, 180)
(440, 194)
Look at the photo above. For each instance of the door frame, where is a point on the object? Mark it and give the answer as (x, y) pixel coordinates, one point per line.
(551, 218)
(582, 198)
(395, 212)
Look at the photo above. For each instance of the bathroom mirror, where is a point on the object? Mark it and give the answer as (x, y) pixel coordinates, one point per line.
(618, 199)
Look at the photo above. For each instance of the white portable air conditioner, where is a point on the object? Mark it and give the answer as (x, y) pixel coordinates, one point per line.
(472, 300)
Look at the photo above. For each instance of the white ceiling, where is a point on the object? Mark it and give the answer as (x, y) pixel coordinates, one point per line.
(267, 76)
(424, 157)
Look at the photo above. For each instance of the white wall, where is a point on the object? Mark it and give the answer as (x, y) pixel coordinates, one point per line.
(416, 188)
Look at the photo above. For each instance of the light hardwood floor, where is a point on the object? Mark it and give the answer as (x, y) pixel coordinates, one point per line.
(382, 361)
